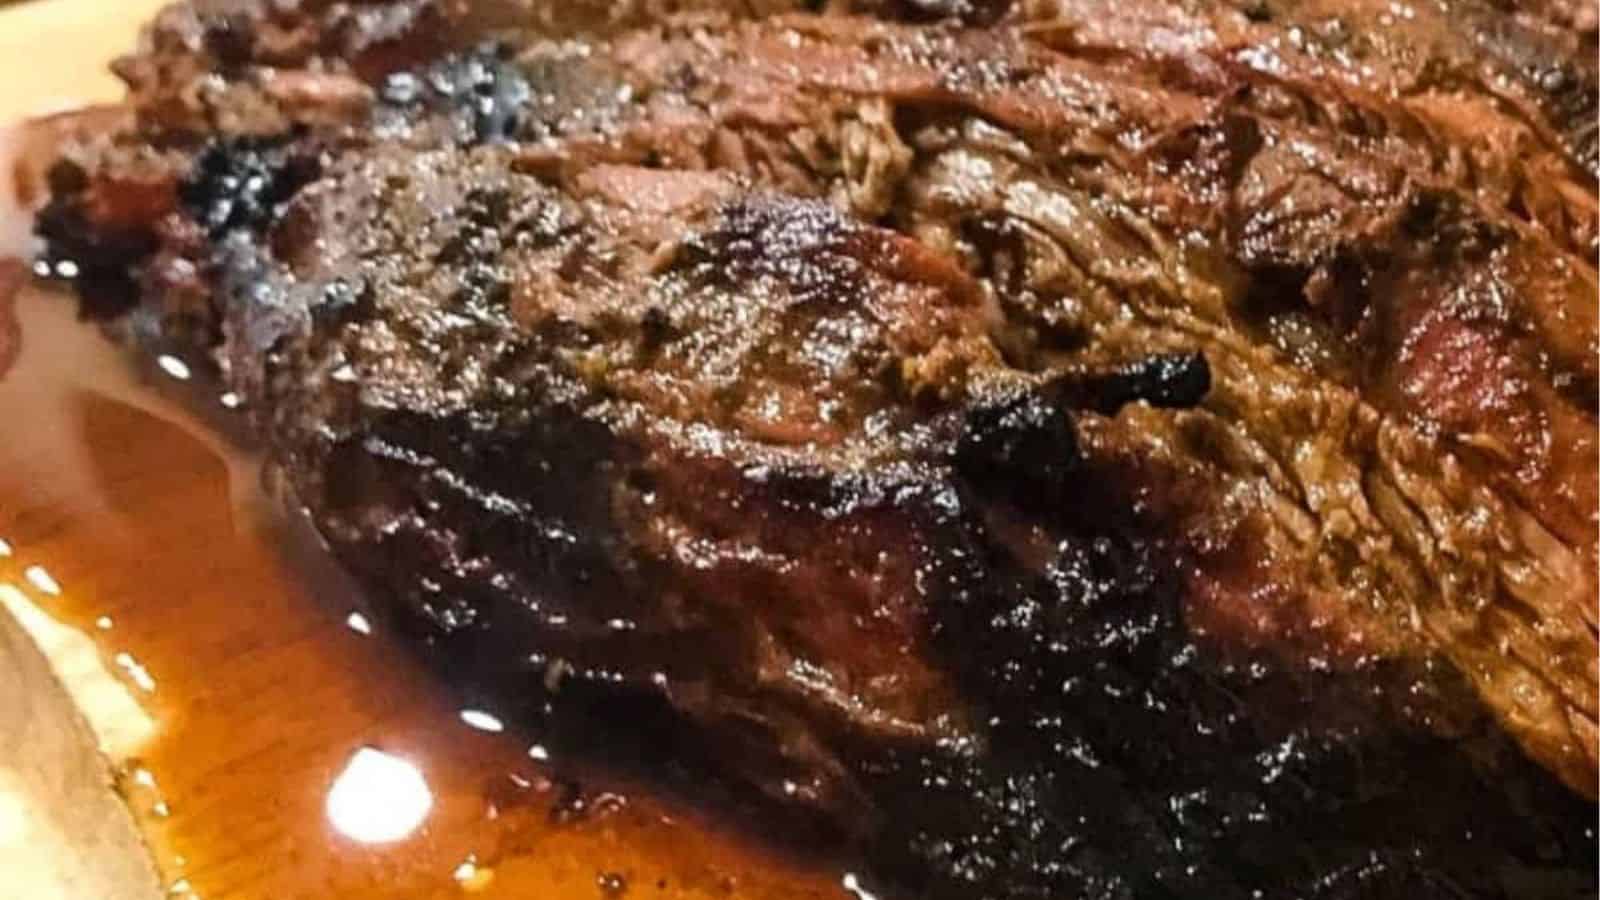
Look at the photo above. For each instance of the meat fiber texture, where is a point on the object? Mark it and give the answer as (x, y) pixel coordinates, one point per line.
(1043, 448)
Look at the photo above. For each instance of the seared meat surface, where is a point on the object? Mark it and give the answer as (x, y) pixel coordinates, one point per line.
(1046, 449)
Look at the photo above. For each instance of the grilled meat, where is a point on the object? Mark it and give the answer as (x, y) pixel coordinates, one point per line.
(1048, 449)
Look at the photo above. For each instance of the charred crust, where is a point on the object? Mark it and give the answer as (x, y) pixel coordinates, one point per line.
(1023, 449)
(1166, 381)
(243, 183)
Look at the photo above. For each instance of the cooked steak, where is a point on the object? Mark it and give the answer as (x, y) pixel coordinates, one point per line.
(1047, 449)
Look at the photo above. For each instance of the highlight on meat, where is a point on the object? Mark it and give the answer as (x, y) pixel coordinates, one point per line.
(1056, 448)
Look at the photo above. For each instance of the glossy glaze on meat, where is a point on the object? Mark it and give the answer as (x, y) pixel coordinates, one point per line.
(1044, 449)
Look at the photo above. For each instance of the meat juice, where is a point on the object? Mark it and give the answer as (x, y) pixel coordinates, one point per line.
(147, 526)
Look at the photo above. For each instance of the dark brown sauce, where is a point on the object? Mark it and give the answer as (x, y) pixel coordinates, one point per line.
(263, 691)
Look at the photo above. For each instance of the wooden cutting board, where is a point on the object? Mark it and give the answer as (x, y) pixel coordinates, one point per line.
(127, 519)
(65, 832)
(55, 52)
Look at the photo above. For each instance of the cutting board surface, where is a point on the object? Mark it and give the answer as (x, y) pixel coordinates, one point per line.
(54, 53)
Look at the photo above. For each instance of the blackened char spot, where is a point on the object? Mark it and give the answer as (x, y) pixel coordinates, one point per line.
(1173, 381)
(482, 92)
(1023, 448)
(243, 182)
(105, 260)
